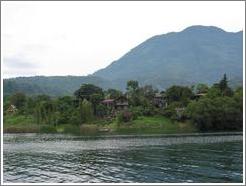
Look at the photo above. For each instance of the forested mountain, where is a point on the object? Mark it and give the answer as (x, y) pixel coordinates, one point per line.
(198, 54)
(51, 85)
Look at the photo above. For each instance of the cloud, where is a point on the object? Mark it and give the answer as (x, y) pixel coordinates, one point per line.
(17, 62)
(93, 34)
(18, 66)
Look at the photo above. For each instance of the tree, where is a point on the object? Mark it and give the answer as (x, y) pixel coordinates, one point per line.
(65, 107)
(86, 90)
(217, 113)
(132, 86)
(113, 93)
(224, 88)
(179, 94)
(147, 91)
(133, 93)
(201, 88)
(86, 112)
(45, 112)
(18, 99)
(91, 93)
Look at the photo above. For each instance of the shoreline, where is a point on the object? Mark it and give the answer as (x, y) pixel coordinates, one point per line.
(195, 134)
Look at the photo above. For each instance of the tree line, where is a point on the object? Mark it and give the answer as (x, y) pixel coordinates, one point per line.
(214, 108)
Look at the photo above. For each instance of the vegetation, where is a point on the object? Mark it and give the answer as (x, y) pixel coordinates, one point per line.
(178, 109)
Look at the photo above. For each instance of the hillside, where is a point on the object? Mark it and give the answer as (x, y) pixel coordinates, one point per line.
(196, 54)
(51, 85)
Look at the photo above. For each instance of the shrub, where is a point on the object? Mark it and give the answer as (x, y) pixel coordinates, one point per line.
(88, 129)
(136, 111)
(48, 129)
(124, 116)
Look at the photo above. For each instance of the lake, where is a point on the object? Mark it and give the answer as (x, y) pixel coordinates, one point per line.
(56, 158)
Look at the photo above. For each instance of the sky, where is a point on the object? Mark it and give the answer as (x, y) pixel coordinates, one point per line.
(79, 38)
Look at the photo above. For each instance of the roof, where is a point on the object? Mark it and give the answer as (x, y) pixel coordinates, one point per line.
(159, 95)
(122, 104)
(108, 101)
(201, 94)
(13, 106)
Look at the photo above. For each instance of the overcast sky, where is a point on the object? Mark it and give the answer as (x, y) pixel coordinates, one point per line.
(78, 38)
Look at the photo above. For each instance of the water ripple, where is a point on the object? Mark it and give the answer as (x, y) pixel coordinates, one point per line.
(155, 159)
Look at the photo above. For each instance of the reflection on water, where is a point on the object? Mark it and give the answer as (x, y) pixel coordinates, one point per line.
(60, 158)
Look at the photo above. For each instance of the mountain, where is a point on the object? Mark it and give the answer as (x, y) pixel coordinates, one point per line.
(51, 85)
(196, 54)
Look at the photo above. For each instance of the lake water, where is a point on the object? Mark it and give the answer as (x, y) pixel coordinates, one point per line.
(163, 159)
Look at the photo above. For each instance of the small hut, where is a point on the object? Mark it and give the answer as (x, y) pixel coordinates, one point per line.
(160, 100)
(121, 103)
(109, 103)
(199, 95)
(12, 109)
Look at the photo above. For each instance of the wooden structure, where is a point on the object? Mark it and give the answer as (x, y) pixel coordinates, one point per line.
(160, 100)
(110, 103)
(199, 95)
(121, 103)
(12, 109)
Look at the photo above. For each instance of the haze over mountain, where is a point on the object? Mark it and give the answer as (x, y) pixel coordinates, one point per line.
(198, 54)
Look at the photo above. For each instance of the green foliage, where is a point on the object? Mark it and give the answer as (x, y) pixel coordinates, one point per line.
(147, 91)
(225, 90)
(89, 129)
(201, 88)
(48, 129)
(124, 116)
(86, 112)
(113, 94)
(170, 111)
(101, 110)
(54, 86)
(46, 112)
(179, 94)
(86, 91)
(132, 86)
(137, 111)
(91, 93)
(220, 109)
(18, 99)
(155, 125)
(217, 113)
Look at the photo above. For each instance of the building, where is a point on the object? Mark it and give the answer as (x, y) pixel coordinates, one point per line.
(121, 103)
(160, 100)
(109, 103)
(12, 109)
(115, 105)
(199, 95)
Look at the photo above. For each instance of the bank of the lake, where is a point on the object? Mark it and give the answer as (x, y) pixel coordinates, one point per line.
(141, 125)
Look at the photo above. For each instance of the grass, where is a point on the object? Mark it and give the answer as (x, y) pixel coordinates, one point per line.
(154, 125)
(142, 125)
(19, 123)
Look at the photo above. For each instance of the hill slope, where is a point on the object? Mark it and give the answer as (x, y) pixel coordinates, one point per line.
(51, 85)
(196, 54)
